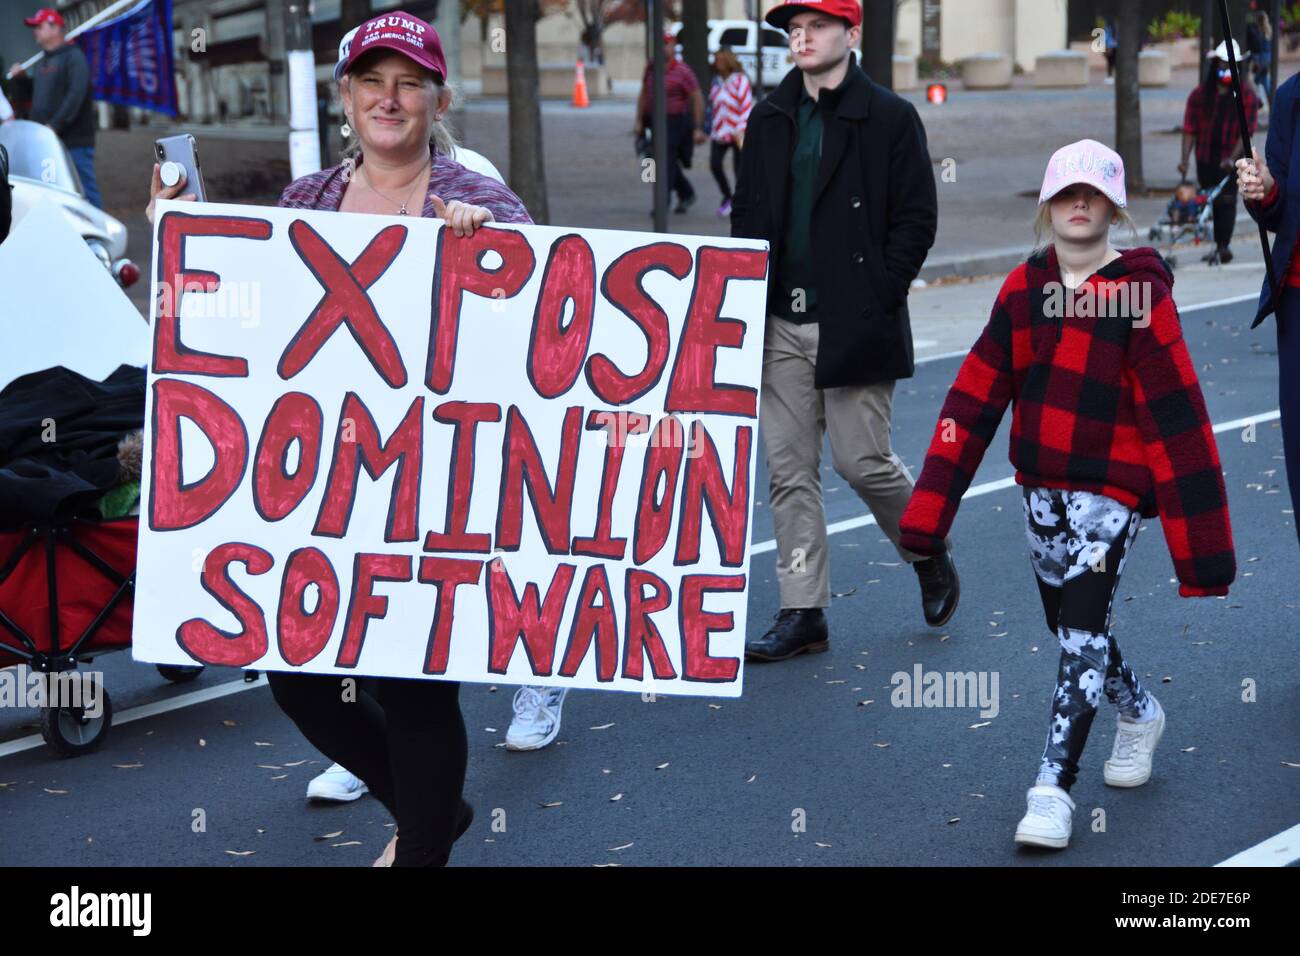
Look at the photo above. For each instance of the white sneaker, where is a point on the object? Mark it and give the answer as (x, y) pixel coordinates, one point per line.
(337, 784)
(1048, 821)
(537, 717)
(1135, 743)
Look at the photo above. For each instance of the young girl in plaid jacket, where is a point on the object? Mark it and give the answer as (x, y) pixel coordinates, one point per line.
(1108, 426)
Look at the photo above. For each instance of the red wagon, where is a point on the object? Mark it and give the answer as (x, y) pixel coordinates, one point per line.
(66, 592)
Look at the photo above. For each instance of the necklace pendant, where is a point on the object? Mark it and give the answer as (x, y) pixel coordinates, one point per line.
(402, 210)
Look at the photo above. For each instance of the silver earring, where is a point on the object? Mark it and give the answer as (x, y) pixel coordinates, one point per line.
(345, 129)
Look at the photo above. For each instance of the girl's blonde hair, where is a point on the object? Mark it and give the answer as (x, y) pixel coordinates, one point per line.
(442, 137)
(1044, 235)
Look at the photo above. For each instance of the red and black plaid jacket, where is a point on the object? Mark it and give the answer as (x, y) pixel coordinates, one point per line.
(1200, 125)
(1104, 404)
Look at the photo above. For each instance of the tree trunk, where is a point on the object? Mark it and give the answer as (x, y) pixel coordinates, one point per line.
(527, 170)
(877, 51)
(1209, 29)
(695, 41)
(1128, 100)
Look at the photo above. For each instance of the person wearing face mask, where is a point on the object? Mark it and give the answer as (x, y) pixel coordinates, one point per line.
(1211, 126)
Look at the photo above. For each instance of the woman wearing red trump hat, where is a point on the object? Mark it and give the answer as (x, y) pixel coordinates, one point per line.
(404, 738)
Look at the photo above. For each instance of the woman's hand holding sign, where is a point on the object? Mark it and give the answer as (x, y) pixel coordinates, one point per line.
(462, 217)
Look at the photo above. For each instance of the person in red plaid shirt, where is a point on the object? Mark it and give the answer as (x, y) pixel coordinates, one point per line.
(1210, 124)
(1108, 426)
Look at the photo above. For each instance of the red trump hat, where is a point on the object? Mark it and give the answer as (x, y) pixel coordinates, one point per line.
(850, 10)
(403, 33)
(44, 15)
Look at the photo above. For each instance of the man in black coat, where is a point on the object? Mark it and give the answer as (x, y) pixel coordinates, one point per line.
(836, 176)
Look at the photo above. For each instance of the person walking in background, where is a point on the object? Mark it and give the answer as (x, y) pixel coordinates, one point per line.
(685, 106)
(1259, 44)
(836, 176)
(731, 98)
(1108, 426)
(1210, 125)
(61, 95)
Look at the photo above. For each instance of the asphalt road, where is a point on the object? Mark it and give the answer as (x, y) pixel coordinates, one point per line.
(815, 739)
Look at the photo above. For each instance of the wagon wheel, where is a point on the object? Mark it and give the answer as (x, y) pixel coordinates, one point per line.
(180, 673)
(70, 732)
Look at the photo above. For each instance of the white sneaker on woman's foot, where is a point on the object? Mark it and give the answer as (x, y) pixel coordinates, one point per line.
(1135, 744)
(1048, 821)
(537, 717)
(337, 784)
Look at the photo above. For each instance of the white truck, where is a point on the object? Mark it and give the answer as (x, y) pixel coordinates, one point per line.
(739, 35)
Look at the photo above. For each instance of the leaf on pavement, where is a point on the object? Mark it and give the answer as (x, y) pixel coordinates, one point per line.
(241, 852)
(329, 836)
(815, 843)
(279, 776)
(1285, 763)
(954, 820)
(602, 726)
(554, 803)
(128, 766)
(752, 778)
(662, 766)
(1188, 750)
(882, 746)
(268, 766)
(229, 723)
(296, 763)
(262, 743)
(615, 849)
(58, 792)
(615, 798)
(983, 723)
(348, 843)
(863, 703)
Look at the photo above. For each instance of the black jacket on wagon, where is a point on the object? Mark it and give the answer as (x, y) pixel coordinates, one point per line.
(874, 217)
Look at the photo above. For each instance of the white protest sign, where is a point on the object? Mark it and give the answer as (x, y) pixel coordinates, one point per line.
(374, 447)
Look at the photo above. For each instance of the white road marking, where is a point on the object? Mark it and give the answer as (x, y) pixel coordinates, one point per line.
(1182, 310)
(1277, 850)
(149, 710)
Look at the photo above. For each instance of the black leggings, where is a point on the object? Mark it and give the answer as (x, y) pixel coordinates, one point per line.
(717, 153)
(1078, 544)
(404, 738)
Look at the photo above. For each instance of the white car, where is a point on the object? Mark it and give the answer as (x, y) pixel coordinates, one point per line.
(739, 35)
(41, 168)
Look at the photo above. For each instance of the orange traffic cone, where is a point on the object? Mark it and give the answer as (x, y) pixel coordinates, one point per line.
(580, 87)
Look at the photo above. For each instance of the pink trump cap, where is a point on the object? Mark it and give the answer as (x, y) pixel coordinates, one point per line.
(1086, 161)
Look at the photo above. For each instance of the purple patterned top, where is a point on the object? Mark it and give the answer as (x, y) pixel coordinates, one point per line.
(449, 180)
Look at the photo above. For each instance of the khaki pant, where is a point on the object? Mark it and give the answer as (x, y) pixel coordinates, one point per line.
(794, 415)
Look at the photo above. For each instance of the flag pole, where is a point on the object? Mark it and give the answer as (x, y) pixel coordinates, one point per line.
(105, 14)
(1245, 142)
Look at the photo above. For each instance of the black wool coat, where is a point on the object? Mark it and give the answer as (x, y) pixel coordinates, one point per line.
(874, 217)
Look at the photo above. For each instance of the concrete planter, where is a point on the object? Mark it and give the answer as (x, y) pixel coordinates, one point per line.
(1061, 68)
(904, 73)
(1153, 68)
(986, 71)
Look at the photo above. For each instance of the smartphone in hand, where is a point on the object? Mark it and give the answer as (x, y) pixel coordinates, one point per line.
(184, 152)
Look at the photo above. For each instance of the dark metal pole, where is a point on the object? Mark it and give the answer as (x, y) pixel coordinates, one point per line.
(1245, 140)
(660, 117)
(758, 49)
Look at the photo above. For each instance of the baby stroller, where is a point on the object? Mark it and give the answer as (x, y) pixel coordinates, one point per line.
(1191, 211)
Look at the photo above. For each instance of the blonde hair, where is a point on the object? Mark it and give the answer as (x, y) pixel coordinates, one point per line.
(442, 137)
(725, 61)
(1044, 235)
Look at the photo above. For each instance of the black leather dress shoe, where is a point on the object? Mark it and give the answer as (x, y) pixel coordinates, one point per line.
(796, 631)
(940, 588)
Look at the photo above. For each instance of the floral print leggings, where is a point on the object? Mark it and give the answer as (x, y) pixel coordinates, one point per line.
(1078, 543)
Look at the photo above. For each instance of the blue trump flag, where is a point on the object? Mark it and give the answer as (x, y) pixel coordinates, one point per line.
(131, 58)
